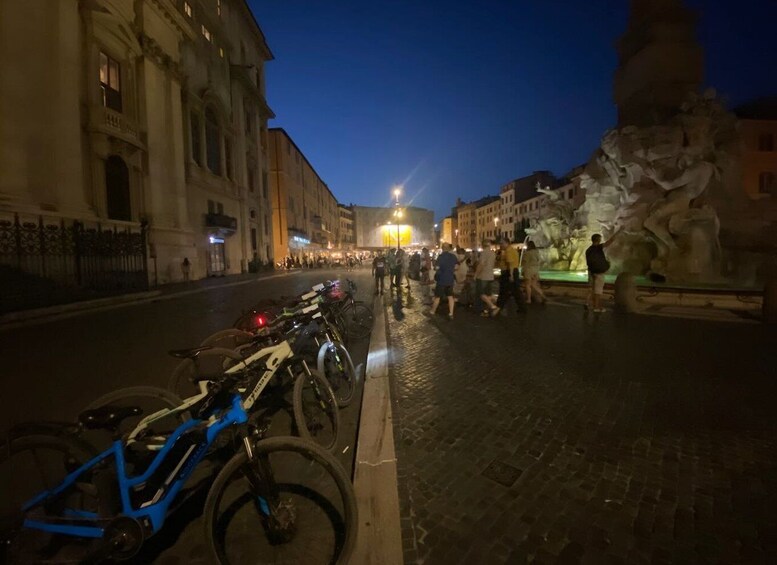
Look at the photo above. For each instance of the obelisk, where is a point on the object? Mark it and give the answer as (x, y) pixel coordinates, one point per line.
(660, 61)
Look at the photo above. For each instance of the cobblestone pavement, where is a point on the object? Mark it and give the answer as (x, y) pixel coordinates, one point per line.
(53, 369)
(555, 437)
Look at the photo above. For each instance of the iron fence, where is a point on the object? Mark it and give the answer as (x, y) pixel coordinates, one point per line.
(44, 262)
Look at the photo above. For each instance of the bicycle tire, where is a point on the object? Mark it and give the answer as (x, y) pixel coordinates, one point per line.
(180, 383)
(305, 400)
(233, 470)
(343, 378)
(239, 337)
(17, 542)
(170, 398)
(358, 320)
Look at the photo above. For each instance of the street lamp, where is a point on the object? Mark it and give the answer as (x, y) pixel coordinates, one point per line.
(496, 221)
(456, 231)
(397, 212)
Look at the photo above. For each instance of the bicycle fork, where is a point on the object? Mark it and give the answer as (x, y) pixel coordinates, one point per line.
(279, 515)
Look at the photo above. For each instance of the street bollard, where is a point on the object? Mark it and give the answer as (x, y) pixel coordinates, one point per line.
(769, 308)
(625, 293)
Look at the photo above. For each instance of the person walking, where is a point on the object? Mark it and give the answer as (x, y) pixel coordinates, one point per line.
(531, 272)
(445, 278)
(405, 269)
(391, 265)
(379, 272)
(484, 279)
(398, 268)
(461, 271)
(426, 266)
(509, 277)
(185, 269)
(598, 265)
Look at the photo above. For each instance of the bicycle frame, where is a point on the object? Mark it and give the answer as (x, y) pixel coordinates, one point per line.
(150, 513)
(276, 355)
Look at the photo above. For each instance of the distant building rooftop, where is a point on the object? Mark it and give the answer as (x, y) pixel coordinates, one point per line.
(760, 109)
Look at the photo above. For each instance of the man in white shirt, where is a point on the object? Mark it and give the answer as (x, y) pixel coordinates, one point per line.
(484, 278)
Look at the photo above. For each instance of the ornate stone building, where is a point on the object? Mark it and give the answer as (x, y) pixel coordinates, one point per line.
(139, 115)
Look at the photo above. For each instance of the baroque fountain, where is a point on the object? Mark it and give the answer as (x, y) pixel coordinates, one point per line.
(668, 178)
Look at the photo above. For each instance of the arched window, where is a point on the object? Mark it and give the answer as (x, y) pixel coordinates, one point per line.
(212, 141)
(117, 189)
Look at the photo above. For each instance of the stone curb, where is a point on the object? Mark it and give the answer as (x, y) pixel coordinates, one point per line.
(375, 480)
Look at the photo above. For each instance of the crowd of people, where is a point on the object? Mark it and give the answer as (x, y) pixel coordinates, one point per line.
(321, 261)
(470, 278)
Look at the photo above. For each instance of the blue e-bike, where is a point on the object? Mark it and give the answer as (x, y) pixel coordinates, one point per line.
(276, 499)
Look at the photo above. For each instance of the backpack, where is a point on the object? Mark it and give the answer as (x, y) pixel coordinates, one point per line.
(597, 262)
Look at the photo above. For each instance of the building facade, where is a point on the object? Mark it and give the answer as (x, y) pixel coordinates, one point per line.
(758, 140)
(345, 236)
(487, 214)
(305, 213)
(380, 228)
(466, 220)
(448, 230)
(135, 120)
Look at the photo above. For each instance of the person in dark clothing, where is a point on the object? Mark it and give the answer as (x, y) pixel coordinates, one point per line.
(597, 266)
(445, 277)
(379, 272)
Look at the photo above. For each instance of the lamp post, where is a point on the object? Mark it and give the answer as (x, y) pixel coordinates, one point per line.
(457, 236)
(496, 222)
(398, 211)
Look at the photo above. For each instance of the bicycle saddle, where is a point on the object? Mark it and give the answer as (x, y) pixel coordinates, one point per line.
(107, 417)
(190, 353)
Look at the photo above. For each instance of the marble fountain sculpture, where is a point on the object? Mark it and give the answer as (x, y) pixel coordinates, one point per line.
(654, 183)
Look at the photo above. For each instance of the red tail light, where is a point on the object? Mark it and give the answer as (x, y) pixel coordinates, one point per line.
(260, 321)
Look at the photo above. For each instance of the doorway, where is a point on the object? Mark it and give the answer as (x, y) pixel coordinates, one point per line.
(217, 264)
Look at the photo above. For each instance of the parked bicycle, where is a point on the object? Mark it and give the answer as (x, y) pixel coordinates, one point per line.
(262, 506)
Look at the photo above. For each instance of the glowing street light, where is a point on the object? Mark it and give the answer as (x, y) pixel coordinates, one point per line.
(397, 193)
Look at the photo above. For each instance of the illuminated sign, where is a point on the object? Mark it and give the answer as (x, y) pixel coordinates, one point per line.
(215, 239)
(300, 240)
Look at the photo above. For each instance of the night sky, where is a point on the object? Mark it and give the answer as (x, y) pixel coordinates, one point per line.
(457, 98)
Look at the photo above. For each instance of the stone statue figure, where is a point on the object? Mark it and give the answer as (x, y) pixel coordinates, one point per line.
(690, 183)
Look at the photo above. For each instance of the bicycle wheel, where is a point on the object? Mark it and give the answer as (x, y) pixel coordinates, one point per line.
(357, 320)
(150, 399)
(209, 362)
(29, 465)
(292, 503)
(335, 364)
(316, 414)
(228, 339)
